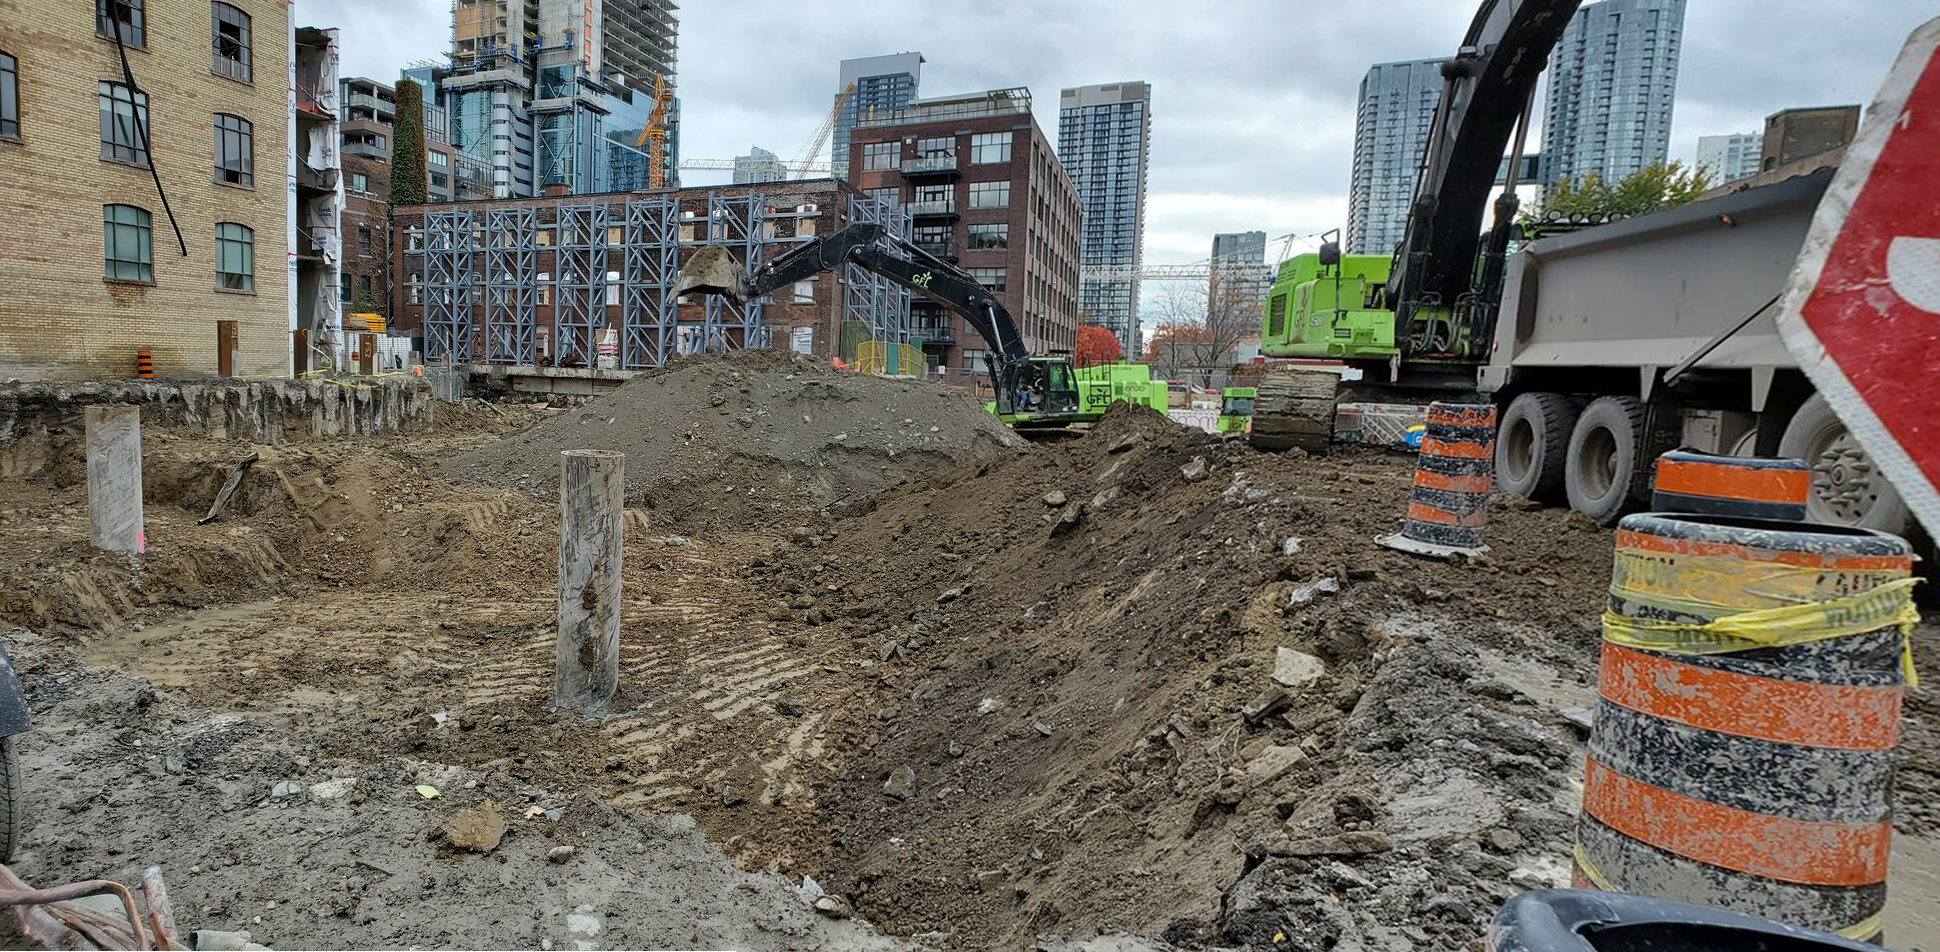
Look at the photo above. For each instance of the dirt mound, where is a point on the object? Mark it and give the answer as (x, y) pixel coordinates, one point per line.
(724, 442)
(1075, 640)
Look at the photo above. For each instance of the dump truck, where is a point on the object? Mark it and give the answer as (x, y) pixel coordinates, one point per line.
(1604, 345)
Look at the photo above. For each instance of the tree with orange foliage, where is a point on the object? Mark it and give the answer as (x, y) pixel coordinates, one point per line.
(1097, 345)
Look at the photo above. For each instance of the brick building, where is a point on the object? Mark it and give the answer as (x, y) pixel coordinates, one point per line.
(92, 268)
(367, 233)
(568, 317)
(988, 194)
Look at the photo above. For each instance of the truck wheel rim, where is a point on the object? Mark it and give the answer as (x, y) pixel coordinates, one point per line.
(1844, 481)
(1518, 450)
(1599, 461)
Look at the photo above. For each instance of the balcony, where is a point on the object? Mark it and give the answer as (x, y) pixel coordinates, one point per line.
(942, 249)
(936, 331)
(938, 164)
(943, 208)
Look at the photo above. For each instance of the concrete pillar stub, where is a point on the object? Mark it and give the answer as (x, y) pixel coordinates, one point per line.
(114, 477)
(592, 500)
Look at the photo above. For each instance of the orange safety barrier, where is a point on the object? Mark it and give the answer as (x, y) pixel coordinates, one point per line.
(1689, 481)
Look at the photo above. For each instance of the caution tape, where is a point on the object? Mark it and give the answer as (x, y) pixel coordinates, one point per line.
(1887, 605)
(1860, 931)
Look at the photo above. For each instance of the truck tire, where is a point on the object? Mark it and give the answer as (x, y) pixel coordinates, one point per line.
(10, 800)
(1847, 487)
(1602, 460)
(1531, 445)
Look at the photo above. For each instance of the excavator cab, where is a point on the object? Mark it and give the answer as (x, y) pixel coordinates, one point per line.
(1039, 391)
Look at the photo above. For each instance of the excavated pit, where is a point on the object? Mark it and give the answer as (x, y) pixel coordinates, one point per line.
(983, 693)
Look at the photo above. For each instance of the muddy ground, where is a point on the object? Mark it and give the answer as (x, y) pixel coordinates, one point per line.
(1019, 697)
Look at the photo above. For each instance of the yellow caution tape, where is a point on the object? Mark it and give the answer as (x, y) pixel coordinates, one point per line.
(1860, 931)
(1888, 605)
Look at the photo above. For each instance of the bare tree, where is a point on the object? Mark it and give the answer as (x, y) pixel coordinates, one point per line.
(1199, 329)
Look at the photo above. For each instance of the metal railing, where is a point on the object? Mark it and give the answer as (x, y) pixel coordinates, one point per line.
(947, 206)
(223, 64)
(930, 165)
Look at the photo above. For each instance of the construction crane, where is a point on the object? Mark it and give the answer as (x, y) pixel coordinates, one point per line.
(727, 165)
(656, 133)
(814, 150)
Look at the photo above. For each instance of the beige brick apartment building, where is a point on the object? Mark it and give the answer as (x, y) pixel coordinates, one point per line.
(90, 267)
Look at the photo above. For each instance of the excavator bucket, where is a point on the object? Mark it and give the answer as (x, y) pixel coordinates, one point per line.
(712, 271)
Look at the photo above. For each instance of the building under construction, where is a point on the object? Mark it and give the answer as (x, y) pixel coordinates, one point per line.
(589, 281)
(550, 93)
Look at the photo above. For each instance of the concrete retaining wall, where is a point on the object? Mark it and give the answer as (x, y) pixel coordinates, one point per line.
(260, 411)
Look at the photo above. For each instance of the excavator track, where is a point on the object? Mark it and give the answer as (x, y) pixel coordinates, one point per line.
(1295, 409)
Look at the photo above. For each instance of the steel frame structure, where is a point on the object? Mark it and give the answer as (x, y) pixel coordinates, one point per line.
(649, 269)
(579, 303)
(869, 298)
(736, 223)
(450, 242)
(511, 285)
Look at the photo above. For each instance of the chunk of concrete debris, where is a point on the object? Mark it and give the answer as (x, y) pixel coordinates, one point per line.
(1503, 840)
(1196, 470)
(1054, 498)
(1291, 546)
(1305, 593)
(901, 784)
(989, 705)
(834, 907)
(559, 854)
(1072, 518)
(285, 789)
(1122, 444)
(1294, 670)
(334, 789)
(1041, 728)
(215, 940)
(731, 797)
(477, 830)
(990, 880)
(789, 707)
(1271, 700)
(1353, 843)
(1273, 763)
(956, 749)
(1581, 718)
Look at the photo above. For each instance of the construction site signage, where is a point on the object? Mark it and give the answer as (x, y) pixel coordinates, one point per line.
(1862, 311)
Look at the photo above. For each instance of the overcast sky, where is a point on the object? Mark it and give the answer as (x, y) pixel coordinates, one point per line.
(1252, 100)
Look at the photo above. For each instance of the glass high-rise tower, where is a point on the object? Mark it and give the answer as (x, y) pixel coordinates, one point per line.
(1104, 143)
(1612, 83)
(883, 84)
(1397, 108)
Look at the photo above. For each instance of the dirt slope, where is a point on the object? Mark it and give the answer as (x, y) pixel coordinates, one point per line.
(725, 442)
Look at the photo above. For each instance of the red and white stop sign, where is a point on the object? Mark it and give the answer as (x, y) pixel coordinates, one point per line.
(1862, 311)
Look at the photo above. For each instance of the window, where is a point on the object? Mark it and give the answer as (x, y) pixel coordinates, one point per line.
(542, 238)
(229, 29)
(235, 257)
(945, 147)
(989, 237)
(414, 290)
(888, 196)
(438, 158)
(440, 180)
(359, 182)
(612, 287)
(973, 360)
(805, 292)
(992, 279)
(124, 124)
(931, 237)
(127, 244)
(934, 193)
(123, 15)
(363, 239)
(9, 98)
(990, 147)
(235, 151)
(545, 286)
(414, 238)
(989, 194)
(877, 156)
(615, 235)
(343, 292)
(363, 285)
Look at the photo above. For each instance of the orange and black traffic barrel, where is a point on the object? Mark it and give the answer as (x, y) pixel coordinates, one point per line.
(1690, 481)
(1454, 475)
(1749, 706)
(144, 365)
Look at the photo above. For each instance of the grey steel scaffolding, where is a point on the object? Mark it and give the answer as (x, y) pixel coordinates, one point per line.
(450, 241)
(736, 223)
(648, 271)
(871, 299)
(511, 285)
(579, 308)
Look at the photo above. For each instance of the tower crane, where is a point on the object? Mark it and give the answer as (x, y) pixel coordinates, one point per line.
(656, 133)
